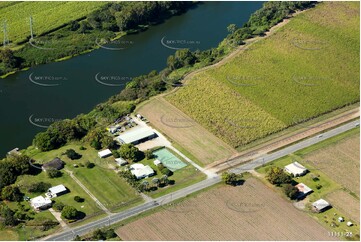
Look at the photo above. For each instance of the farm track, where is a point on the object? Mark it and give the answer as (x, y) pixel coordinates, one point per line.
(283, 141)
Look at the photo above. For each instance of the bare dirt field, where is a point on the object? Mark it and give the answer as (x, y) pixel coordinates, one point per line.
(183, 130)
(340, 161)
(345, 203)
(248, 212)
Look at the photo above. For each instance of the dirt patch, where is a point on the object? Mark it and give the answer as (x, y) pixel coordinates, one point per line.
(180, 128)
(228, 213)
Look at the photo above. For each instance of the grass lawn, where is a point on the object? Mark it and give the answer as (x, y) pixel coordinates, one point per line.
(183, 177)
(107, 186)
(89, 207)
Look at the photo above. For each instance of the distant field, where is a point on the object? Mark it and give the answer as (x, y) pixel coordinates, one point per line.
(202, 144)
(46, 16)
(308, 67)
(230, 213)
(346, 203)
(340, 161)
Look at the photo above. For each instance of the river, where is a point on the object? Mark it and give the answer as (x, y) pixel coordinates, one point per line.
(31, 100)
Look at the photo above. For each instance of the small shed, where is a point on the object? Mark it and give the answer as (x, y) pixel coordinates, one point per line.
(40, 203)
(120, 161)
(104, 153)
(157, 162)
(57, 164)
(321, 205)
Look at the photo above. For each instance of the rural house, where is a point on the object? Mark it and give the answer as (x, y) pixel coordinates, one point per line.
(296, 169)
(40, 203)
(321, 205)
(54, 164)
(56, 191)
(141, 171)
(303, 190)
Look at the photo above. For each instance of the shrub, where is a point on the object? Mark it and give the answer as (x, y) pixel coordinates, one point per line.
(290, 191)
(115, 154)
(38, 187)
(58, 206)
(71, 154)
(78, 199)
(82, 148)
(89, 164)
(53, 173)
(166, 171)
(11, 193)
(109, 234)
(277, 176)
(69, 212)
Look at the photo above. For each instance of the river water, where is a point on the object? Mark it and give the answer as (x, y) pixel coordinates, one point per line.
(31, 100)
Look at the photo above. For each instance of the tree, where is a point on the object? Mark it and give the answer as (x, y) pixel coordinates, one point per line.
(98, 235)
(74, 25)
(8, 58)
(38, 187)
(96, 144)
(231, 178)
(11, 193)
(21, 163)
(109, 234)
(164, 180)
(156, 181)
(129, 152)
(7, 174)
(277, 176)
(89, 164)
(166, 171)
(58, 206)
(69, 212)
(148, 154)
(78, 199)
(145, 185)
(231, 28)
(77, 238)
(290, 191)
(53, 173)
(71, 154)
(8, 216)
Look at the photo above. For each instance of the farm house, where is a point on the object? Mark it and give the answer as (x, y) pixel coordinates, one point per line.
(141, 171)
(136, 136)
(56, 163)
(40, 203)
(296, 169)
(303, 190)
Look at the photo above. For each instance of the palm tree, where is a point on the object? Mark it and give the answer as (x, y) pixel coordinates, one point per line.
(145, 184)
(164, 179)
(156, 181)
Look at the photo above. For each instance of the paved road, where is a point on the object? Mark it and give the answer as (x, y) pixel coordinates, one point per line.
(114, 218)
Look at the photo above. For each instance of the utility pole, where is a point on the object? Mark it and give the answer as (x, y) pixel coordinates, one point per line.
(6, 38)
(31, 27)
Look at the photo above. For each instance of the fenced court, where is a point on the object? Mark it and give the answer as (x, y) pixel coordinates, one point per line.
(169, 160)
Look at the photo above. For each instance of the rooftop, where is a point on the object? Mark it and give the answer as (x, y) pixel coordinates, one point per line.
(320, 204)
(55, 164)
(296, 168)
(135, 135)
(40, 201)
(104, 153)
(57, 189)
(141, 171)
(303, 188)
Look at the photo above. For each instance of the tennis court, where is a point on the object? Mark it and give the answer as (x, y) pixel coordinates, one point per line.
(169, 160)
